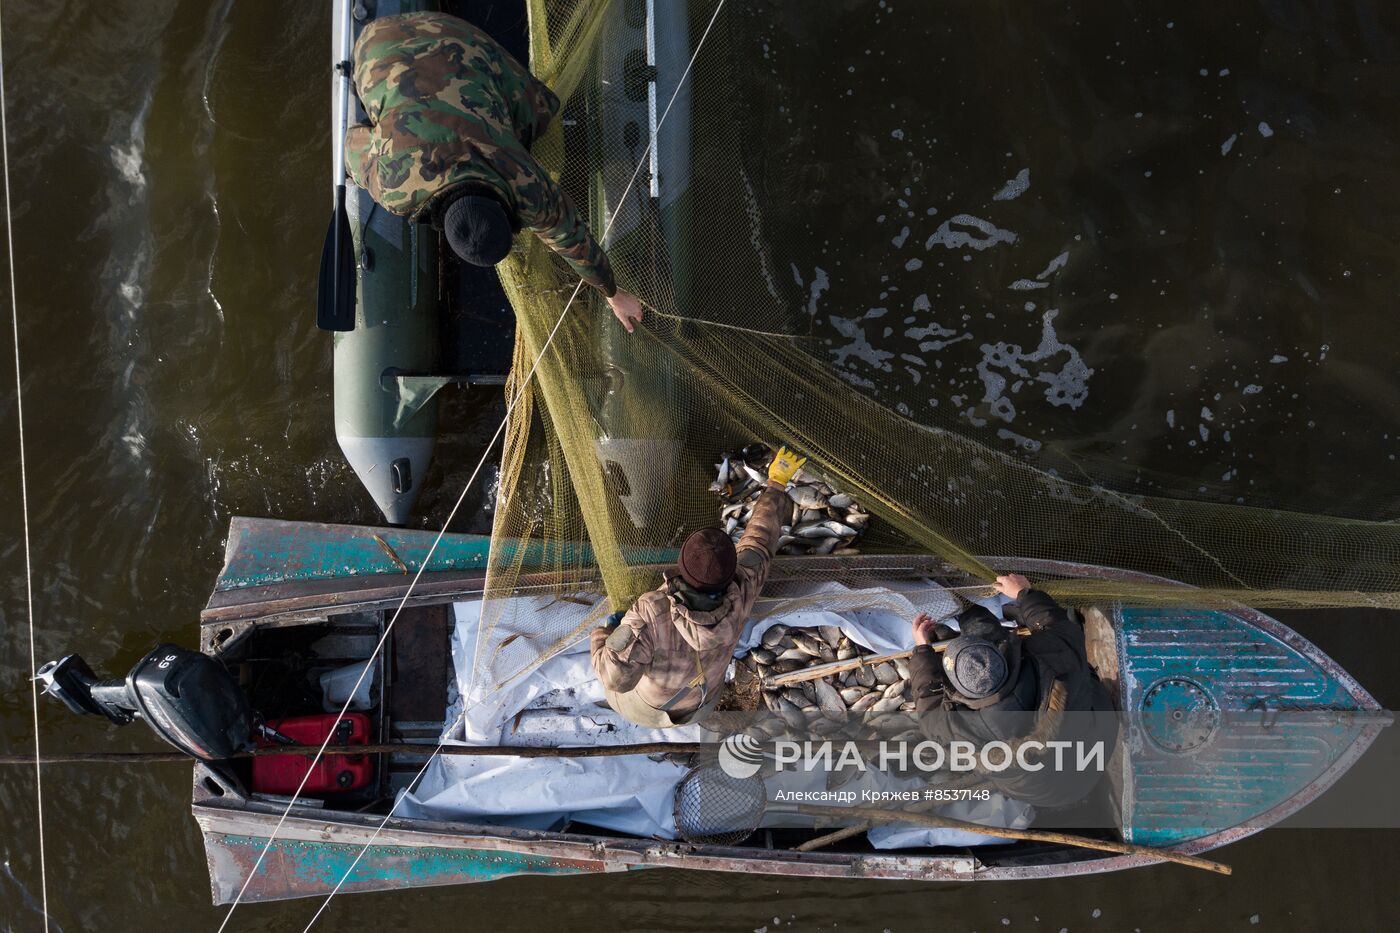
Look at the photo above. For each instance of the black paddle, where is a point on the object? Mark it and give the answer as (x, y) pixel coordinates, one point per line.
(335, 290)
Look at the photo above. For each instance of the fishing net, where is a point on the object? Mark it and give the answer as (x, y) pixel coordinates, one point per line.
(613, 444)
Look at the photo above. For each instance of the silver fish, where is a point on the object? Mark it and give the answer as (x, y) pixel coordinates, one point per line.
(840, 501)
(901, 665)
(896, 689)
(885, 673)
(827, 547)
(851, 694)
(730, 525)
(865, 676)
(832, 634)
(829, 701)
(808, 644)
(756, 476)
(794, 654)
(763, 656)
(807, 497)
(908, 707)
(839, 530)
(845, 651)
(814, 531)
(797, 698)
(886, 705)
(774, 727)
(866, 702)
(774, 635)
(810, 516)
(723, 478)
(808, 691)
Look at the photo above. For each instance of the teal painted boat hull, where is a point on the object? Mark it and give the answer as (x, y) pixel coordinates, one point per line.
(1246, 664)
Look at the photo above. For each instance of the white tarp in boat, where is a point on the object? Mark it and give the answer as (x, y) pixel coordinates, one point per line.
(561, 703)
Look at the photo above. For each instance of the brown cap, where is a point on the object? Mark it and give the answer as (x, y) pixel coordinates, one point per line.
(707, 559)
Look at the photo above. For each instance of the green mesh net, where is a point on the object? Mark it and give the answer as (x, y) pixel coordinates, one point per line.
(610, 451)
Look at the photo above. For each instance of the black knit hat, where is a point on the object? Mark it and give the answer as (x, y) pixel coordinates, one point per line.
(478, 229)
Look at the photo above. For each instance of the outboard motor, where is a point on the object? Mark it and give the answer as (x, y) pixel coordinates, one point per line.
(188, 698)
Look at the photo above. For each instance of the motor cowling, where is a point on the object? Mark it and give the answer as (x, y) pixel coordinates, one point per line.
(189, 699)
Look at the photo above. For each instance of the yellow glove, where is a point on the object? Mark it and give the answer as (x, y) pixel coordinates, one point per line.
(784, 466)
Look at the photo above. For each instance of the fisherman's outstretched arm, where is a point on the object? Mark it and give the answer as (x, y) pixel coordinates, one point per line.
(926, 680)
(550, 214)
(621, 653)
(1055, 638)
(760, 540)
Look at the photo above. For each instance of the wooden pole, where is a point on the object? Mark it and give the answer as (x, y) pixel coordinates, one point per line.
(838, 667)
(392, 748)
(875, 815)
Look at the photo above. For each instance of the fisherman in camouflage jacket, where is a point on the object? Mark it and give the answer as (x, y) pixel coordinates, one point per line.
(451, 118)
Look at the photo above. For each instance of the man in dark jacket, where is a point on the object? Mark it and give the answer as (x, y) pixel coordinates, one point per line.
(991, 686)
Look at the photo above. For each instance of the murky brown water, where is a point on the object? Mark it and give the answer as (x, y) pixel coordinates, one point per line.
(168, 167)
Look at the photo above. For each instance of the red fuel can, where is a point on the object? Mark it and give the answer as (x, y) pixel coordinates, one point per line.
(333, 774)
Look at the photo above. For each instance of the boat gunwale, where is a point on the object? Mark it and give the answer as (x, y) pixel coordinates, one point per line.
(241, 814)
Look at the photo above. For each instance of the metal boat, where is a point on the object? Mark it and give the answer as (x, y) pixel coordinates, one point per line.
(295, 598)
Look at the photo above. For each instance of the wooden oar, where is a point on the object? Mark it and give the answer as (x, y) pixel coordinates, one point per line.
(875, 815)
(389, 748)
(836, 667)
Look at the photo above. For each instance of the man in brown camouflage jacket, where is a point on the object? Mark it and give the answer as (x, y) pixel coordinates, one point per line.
(663, 664)
(451, 117)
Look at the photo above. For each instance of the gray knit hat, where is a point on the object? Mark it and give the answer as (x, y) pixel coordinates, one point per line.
(975, 666)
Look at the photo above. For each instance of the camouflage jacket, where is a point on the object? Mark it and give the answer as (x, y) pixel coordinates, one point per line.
(662, 647)
(448, 107)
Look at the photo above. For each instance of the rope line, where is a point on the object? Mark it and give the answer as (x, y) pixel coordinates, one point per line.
(23, 491)
(438, 539)
(607, 227)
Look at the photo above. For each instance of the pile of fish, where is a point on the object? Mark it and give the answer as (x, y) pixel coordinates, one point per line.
(821, 520)
(874, 696)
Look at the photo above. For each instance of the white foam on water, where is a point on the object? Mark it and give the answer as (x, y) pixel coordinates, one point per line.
(860, 347)
(1014, 187)
(756, 236)
(820, 283)
(898, 241)
(1228, 144)
(1265, 130)
(1056, 264)
(1066, 386)
(950, 238)
(1020, 440)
